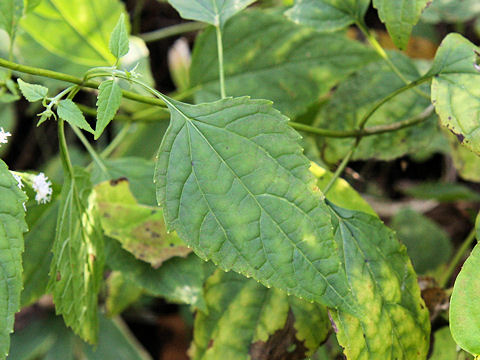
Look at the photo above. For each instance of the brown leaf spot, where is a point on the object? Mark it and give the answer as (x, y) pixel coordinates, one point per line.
(118, 181)
(59, 276)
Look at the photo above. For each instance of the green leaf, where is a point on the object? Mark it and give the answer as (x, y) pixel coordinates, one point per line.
(34, 341)
(10, 13)
(396, 323)
(279, 54)
(108, 102)
(444, 192)
(269, 319)
(465, 306)
(37, 255)
(12, 227)
(32, 92)
(214, 12)
(69, 111)
(444, 347)
(75, 43)
(451, 11)
(456, 89)
(356, 96)
(428, 245)
(140, 229)
(341, 192)
(466, 162)
(178, 280)
(328, 15)
(234, 184)
(122, 293)
(118, 44)
(76, 270)
(400, 16)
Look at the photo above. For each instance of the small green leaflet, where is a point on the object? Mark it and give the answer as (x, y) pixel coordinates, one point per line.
(234, 184)
(214, 12)
(465, 305)
(400, 16)
(396, 323)
(12, 227)
(118, 44)
(108, 102)
(76, 270)
(269, 319)
(139, 228)
(456, 89)
(32, 92)
(69, 111)
(10, 13)
(328, 15)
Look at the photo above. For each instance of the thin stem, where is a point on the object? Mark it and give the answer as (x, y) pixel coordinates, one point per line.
(172, 31)
(96, 158)
(374, 130)
(137, 14)
(65, 156)
(459, 255)
(340, 168)
(116, 141)
(75, 80)
(383, 54)
(221, 73)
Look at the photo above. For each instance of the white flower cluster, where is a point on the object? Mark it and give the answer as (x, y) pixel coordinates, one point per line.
(4, 136)
(43, 188)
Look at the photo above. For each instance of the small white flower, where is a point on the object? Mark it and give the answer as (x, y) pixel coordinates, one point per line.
(3, 136)
(43, 188)
(19, 180)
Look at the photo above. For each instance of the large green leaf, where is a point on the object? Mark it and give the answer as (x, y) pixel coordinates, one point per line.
(357, 95)
(328, 15)
(234, 184)
(215, 12)
(465, 305)
(74, 43)
(12, 227)
(10, 13)
(428, 245)
(396, 323)
(270, 50)
(400, 16)
(139, 228)
(76, 270)
(178, 280)
(452, 11)
(269, 319)
(456, 89)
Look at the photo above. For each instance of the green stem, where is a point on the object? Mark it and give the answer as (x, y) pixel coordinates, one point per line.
(459, 255)
(65, 156)
(75, 80)
(137, 14)
(172, 31)
(116, 141)
(96, 158)
(383, 54)
(340, 168)
(221, 73)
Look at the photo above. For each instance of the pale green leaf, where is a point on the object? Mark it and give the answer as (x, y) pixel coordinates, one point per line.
(428, 245)
(357, 95)
(400, 16)
(341, 192)
(466, 162)
(268, 319)
(234, 184)
(396, 323)
(178, 280)
(118, 43)
(32, 92)
(74, 43)
(76, 270)
(456, 89)
(10, 13)
(465, 305)
(328, 15)
(69, 111)
(31, 4)
(270, 50)
(108, 102)
(214, 12)
(121, 293)
(451, 11)
(140, 229)
(444, 347)
(12, 227)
